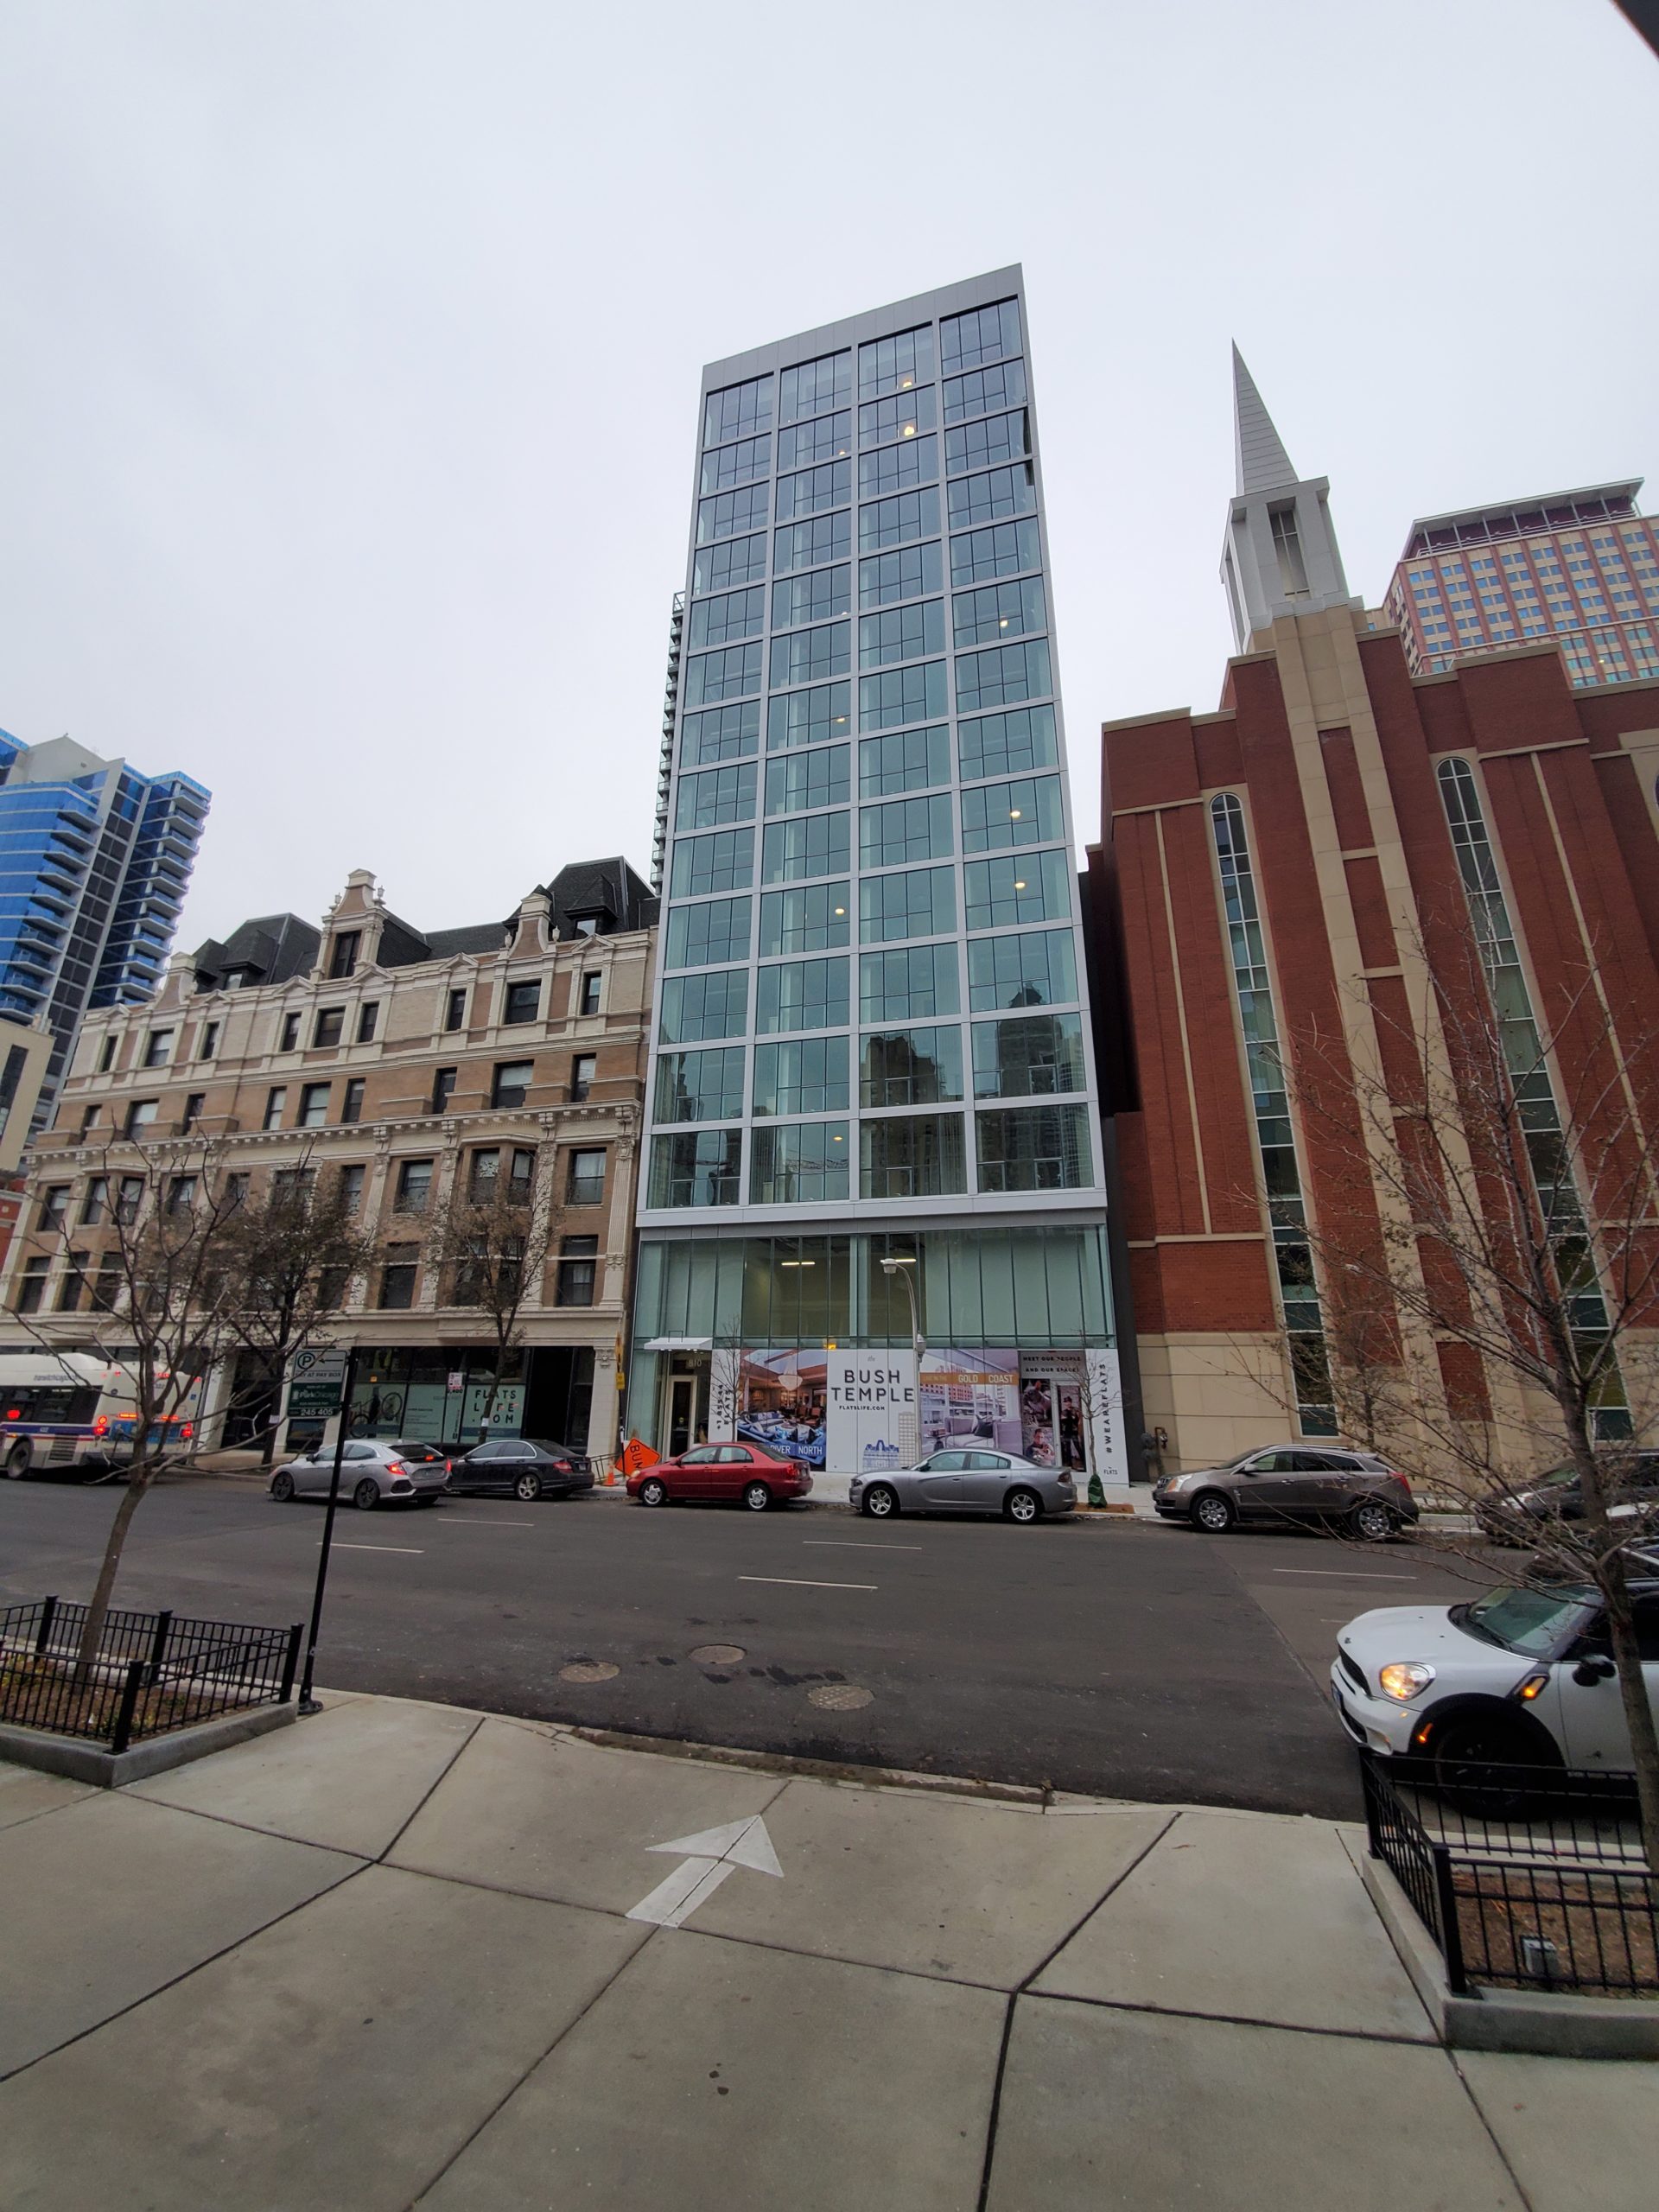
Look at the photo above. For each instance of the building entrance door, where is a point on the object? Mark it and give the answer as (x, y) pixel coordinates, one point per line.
(681, 1411)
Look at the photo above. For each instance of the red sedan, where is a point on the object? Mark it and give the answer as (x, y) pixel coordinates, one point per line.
(726, 1473)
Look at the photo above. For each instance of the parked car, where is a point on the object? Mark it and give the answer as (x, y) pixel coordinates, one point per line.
(1519, 1677)
(1517, 1517)
(721, 1472)
(966, 1480)
(1292, 1483)
(522, 1466)
(405, 1473)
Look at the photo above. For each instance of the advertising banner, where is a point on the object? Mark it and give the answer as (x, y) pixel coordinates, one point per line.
(969, 1395)
(872, 1411)
(1108, 1454)
(781, 1405)
(1050, 1408)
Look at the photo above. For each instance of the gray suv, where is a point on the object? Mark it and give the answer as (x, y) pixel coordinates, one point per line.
(1292, 1484)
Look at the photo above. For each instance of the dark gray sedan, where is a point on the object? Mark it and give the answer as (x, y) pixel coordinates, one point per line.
(967, 1479)
(527, 1467)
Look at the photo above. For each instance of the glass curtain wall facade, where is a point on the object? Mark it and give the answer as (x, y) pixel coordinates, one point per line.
(94, 861)
(871, 992)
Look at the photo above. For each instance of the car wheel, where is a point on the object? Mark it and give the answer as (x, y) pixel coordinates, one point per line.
(367, 1495)
(282, 1487)
(653, 1491)
(1465, 1752)
(1213, 1513)
(17, 1462)
(1023, 1506)
(881, 1501)
(757, 1497)
(527, 1488)
(1371, 1522)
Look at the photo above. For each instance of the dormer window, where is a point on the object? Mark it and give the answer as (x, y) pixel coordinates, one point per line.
(585, 925)
(344, 958)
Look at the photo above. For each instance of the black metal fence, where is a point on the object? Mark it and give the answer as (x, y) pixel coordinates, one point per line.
(1527, 1878)
(153, 1672)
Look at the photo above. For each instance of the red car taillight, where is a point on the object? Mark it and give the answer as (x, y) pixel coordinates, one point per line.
(100, 1426)
(396, 1467)
(561, 1466)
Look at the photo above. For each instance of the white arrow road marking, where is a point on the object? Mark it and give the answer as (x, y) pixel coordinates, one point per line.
(710, 1857)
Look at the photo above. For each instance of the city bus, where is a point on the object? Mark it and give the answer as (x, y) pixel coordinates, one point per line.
(72, 1413)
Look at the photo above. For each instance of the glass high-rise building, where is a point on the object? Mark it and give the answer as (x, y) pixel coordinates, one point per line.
(871, 1039)
(94, 860)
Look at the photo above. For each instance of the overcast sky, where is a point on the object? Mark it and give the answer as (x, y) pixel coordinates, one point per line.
(352, 351)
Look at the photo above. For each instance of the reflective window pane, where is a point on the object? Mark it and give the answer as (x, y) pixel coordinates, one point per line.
(830, 438)
(704, 1006)
(983, 444)
(903, 695)
(811, 491)
(1003, 743)
(801, 1164)
(731, 615)
(984, 391)
(722, 863)
(739, 561)
(913, 985)
(1032, 1057)
(905, 829)
(888, 577)
(729, 465)
(1034, 1148)
(891, 469)
(811, 598)
(908, 761)
(727, 733)
(819, 776)
(811, 386)
(911, 1156)
(728, 514)
(807, 1075)
(700, 1086)
(803, 544)
(717, 795)
(895, 364)
(901, 633)
(998, 492)
(697, 1167)
(911, 902)
(1001, 551)
(1003, 893)
(738, 411)
(802, 994)
(1036, 968)
(1024, 811)
(813, 844)
(809, 717)
(904, 416)
(896, 521)
(998, 612)
(805, 656)
(815, 918)
(1000, 677)
(982, 334)
(704, 936)
(909, 1067)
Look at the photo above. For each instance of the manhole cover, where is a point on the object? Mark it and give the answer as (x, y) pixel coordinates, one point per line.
(719, 1654)
(840, 1697)
(589, 1670)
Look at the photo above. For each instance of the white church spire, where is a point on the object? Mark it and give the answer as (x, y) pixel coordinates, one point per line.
(1280, 556)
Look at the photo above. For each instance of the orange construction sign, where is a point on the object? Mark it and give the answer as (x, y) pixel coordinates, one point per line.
(636, 1455)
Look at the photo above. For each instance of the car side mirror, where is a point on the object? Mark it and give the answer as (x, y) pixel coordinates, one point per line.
(1592, 1670)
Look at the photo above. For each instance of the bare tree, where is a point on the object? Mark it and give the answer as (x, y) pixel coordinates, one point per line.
(726, 1366)
(1514, 1162)
(161, 1288)
(489, 1239)
(293, 1251)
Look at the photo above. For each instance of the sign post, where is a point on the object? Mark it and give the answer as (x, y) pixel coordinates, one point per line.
(341, 1405)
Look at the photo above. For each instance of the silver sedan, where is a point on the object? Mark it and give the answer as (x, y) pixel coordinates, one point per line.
(404, 1473)
(967, 1479)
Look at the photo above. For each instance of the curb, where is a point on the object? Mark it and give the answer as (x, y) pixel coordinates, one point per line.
(79, 1762)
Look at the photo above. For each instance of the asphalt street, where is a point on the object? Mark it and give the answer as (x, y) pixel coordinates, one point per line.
(1125, 1660)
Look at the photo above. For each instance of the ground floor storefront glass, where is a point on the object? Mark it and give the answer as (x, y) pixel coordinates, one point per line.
(803, 1343)
(442, 1394)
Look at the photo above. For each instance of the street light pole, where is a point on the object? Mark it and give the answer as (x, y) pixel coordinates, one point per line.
(900, 1268)
(307, 1703)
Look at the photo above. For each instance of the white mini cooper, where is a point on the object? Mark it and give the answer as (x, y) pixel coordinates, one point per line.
(1518, 1677)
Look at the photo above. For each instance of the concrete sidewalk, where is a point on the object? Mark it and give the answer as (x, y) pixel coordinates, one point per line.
(404, 1955)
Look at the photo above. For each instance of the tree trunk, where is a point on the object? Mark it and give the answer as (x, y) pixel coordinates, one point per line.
(92, 1634)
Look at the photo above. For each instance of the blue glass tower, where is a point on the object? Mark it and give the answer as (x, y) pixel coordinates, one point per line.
(94, 861)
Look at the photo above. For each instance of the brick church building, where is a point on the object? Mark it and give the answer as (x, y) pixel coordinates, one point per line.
(1301, 863)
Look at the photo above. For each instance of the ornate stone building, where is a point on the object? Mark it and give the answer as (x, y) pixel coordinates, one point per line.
(395, 1061)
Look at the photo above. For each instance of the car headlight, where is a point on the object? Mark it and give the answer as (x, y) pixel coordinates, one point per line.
(1405, 1678)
